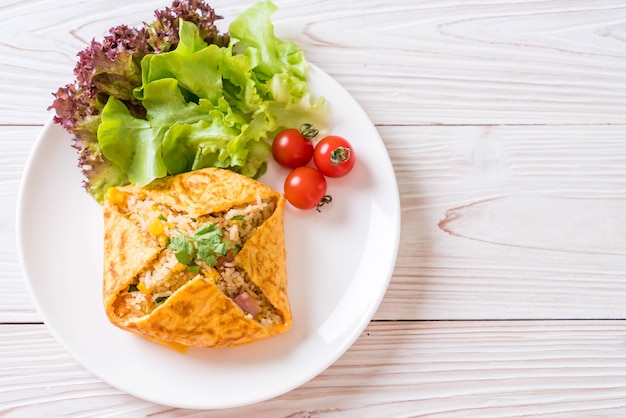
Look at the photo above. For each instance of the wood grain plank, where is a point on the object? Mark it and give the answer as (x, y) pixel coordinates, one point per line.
(487, 369)
(509, 222)
(427, 62)
(15, 146)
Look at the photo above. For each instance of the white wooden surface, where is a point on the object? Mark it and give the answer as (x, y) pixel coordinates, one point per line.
(506, 124)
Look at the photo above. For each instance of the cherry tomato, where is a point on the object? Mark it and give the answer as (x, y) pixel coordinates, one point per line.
(305, 188)
(334, 156)
(292, 147)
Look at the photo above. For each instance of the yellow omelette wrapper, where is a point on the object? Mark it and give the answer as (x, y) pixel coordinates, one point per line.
(196, 259)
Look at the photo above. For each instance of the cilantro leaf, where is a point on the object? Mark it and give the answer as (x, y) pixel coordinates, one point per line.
(183, 248)
(206, 245)
(235, 249)
(210, 245)
(207, 232)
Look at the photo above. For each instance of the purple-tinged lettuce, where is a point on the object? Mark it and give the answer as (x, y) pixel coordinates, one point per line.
(112, 68)
(176, 95)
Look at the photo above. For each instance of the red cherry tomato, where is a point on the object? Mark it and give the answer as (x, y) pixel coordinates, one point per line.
(293, 148)
(305, 188)
(334, 156)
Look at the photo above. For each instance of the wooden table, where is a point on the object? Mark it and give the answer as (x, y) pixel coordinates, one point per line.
(506, 125)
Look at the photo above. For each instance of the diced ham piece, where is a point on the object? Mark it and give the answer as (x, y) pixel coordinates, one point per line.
(221, 261)
(246, 303)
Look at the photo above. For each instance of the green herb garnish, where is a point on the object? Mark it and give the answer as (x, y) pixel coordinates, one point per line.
(238, 218)
(161, 299)
(210, 245)
(235, 249)
(205, 245)
(161, 217)
(183, 248)
(132, 288)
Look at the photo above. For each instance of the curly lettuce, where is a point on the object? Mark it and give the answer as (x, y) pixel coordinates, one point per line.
(165, 103)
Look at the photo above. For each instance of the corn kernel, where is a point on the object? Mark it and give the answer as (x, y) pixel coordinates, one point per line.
(142, 288)
(162, 240)
(115, 196)
(155, 226)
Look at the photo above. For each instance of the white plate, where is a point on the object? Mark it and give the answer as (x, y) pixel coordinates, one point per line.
(339, 263)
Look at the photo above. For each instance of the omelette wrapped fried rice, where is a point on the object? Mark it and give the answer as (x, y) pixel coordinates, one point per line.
(196, 259)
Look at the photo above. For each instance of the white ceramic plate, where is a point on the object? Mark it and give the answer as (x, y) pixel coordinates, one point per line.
(339, 265)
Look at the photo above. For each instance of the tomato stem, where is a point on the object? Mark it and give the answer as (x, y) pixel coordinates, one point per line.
(325, 200)
(308, 131)
(339, 156)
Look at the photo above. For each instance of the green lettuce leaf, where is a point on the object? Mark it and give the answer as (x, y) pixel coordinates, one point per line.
(253, 32)
(139, 154)
(112, 67)
(211, 106)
